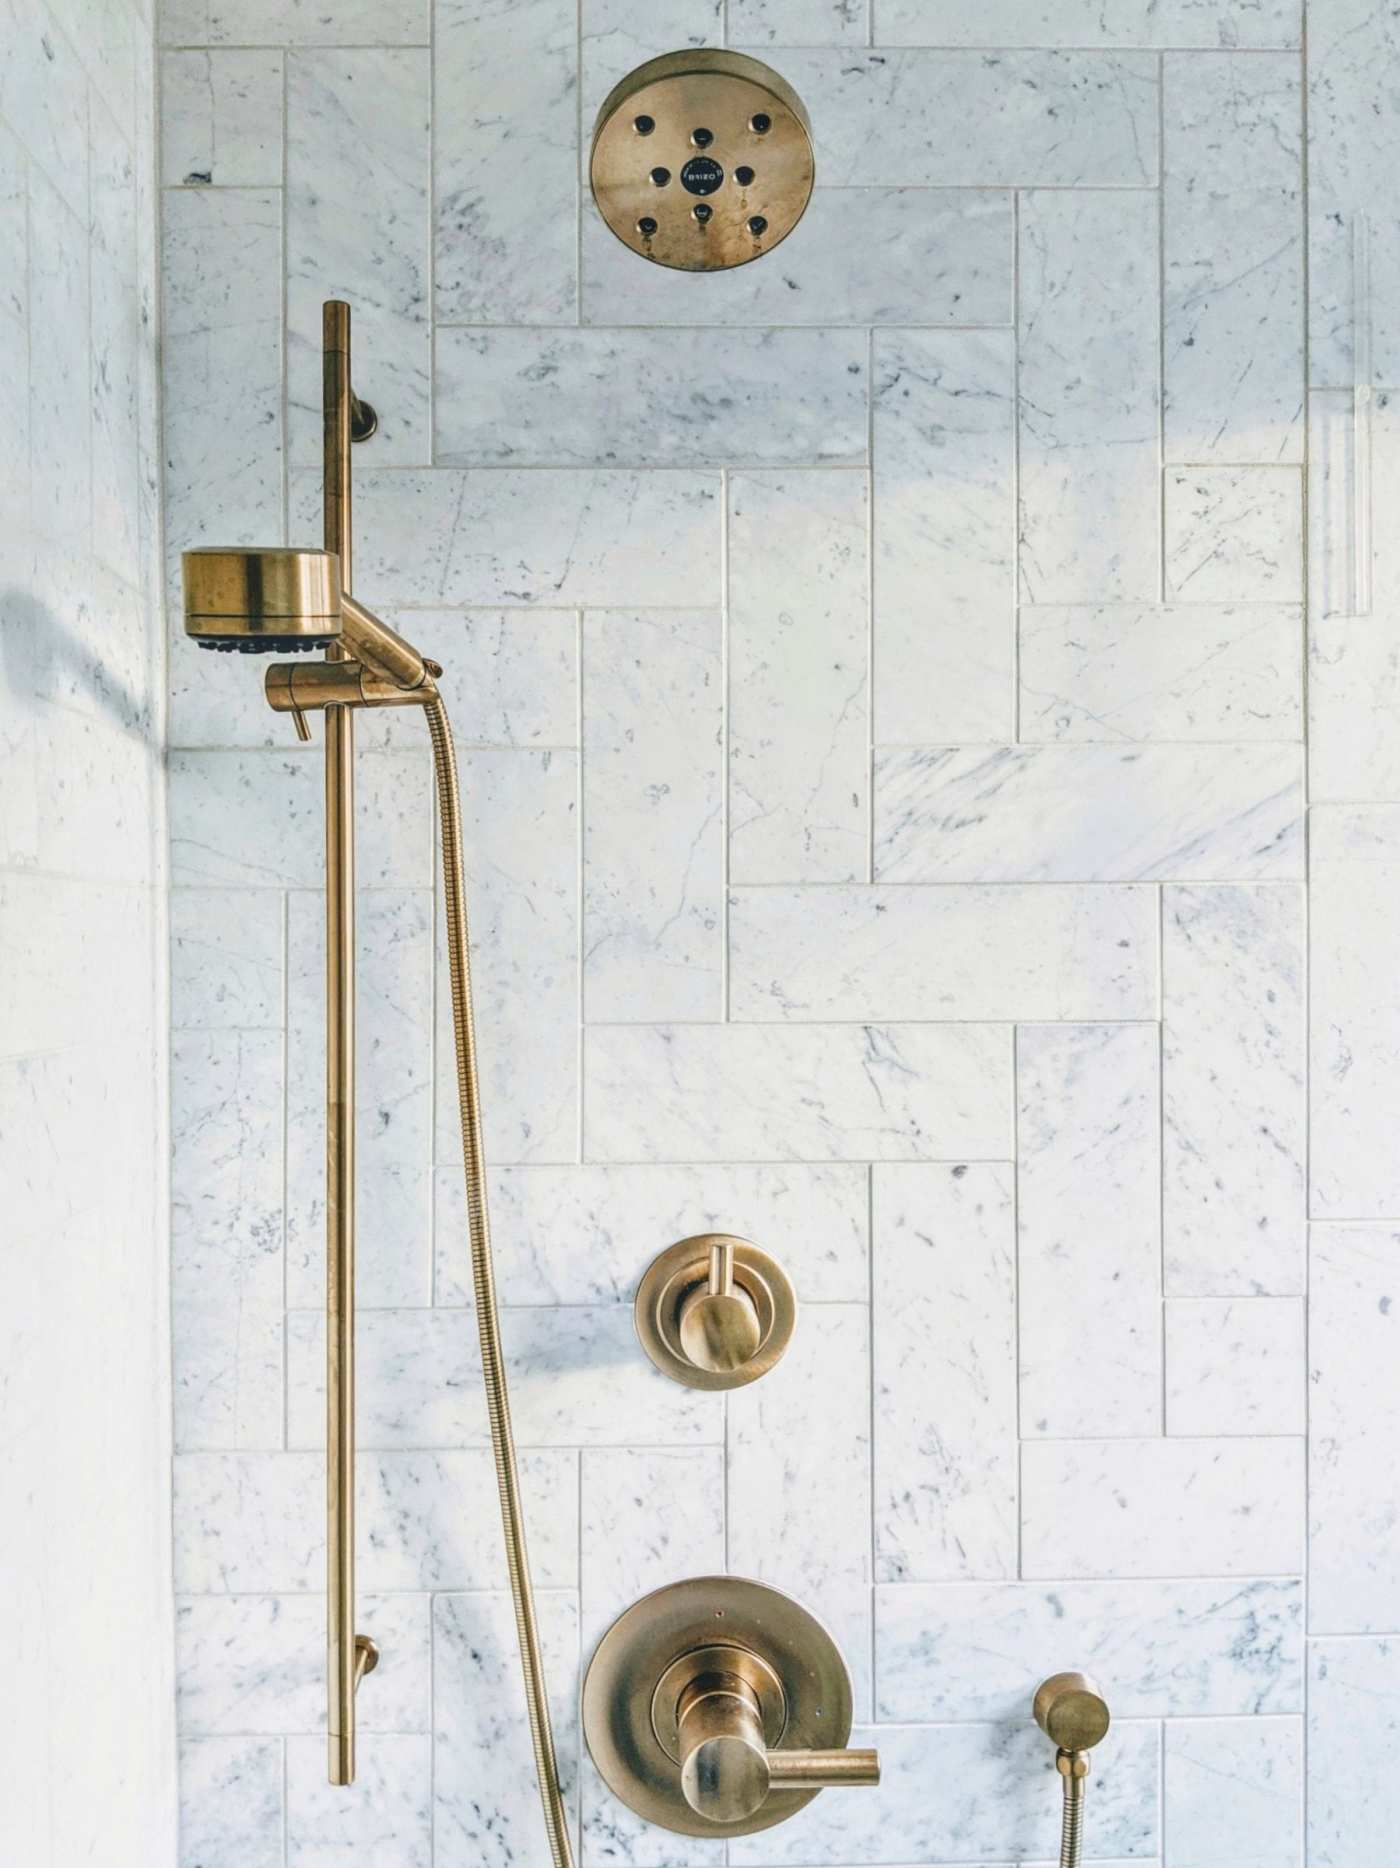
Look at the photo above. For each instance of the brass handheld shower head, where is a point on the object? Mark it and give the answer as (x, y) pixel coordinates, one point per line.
(262, 601)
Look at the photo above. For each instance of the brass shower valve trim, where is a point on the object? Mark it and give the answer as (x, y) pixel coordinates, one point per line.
(718, 1707)
(715, 1311)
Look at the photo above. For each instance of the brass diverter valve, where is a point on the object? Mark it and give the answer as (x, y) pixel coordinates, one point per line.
(715, 1311)
(718, 1707)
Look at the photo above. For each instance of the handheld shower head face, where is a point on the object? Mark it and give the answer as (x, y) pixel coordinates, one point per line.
(262, 602)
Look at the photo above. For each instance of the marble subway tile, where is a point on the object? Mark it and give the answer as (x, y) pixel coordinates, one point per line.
(221, 119)
(222, 370)
(417, 1376)
(1088, 396)
(944, 535)
(226, 959)
(393, 1092)
(1354, 578)
(1126, 673)
(1353, 1728)
(1088, 814)
(576, 1380)
(231, 1804)
(1354, 1010)
(1088, 1173)
(1354, 274)
(520, 831)
(627, 1546)
(653, 824)
(249, 1523)
(512, 675)
(798, 676)
(944, 1330)
(505, 83)
(811, 1092)
(358, 227)
(43, 100)
(61, 268)
(1008, 1806)
(486, 1805)
(797, 22)
(953, 1651)
(924, 256)
(1207, 25)
(959, 119)
(1180, 1508)
(274, 22)
(256, 820)
(799, 1504)
(256, 1665)
(1232, 219)
(1232, 1793)
(1234, 1113)
(226, 1237)
(1234, 534)
(386, 1817)
(1236, 1365)
(584, 1235)
(533, 536)
(956, 952)
(112, 368)
(1354, 1409)
(521, 398)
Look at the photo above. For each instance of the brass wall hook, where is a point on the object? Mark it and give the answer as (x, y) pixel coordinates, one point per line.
(715, 1311)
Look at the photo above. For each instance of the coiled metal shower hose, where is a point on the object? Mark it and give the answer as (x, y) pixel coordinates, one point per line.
(484, 1285)
(1074, 1768)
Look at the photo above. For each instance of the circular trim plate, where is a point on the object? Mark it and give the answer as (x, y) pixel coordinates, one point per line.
(702, 110)
(691, 1617)
(670, 1278)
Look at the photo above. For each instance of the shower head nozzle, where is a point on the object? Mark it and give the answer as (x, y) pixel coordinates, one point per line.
(262, 602)
(702, 159)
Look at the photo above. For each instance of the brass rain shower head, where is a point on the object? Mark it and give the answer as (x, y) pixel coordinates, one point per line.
(702, 159)
(262, 602)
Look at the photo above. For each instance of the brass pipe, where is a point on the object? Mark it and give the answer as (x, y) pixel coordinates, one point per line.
(344, 1668)
(484, 1283)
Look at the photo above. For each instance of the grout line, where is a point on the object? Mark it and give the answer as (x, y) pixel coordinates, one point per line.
(1305, 212)
(1163, 1376)
(1161, 329)
(726, 745)
(870, 592)
(1016, 521)
(580, 890)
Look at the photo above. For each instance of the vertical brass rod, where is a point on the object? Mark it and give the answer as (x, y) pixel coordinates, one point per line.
(343, 1670)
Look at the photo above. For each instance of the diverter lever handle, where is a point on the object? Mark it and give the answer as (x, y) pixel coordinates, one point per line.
(727, 1770)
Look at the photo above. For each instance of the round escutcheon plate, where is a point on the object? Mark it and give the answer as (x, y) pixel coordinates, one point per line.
(796, 1666)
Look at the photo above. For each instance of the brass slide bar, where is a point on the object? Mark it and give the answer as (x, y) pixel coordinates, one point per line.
(349, 1655)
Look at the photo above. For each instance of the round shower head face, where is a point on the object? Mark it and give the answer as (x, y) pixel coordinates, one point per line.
(262, 602)
(702, 160)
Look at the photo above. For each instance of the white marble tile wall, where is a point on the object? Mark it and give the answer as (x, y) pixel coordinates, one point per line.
(88, 1725)
(892, 679)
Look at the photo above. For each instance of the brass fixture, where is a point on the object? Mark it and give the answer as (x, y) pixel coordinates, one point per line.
(719, 1707)
(1072, 1712)
(235, 599)
(702, 159)
(715, 1311)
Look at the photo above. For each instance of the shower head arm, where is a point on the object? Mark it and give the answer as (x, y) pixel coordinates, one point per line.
(382, 649)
